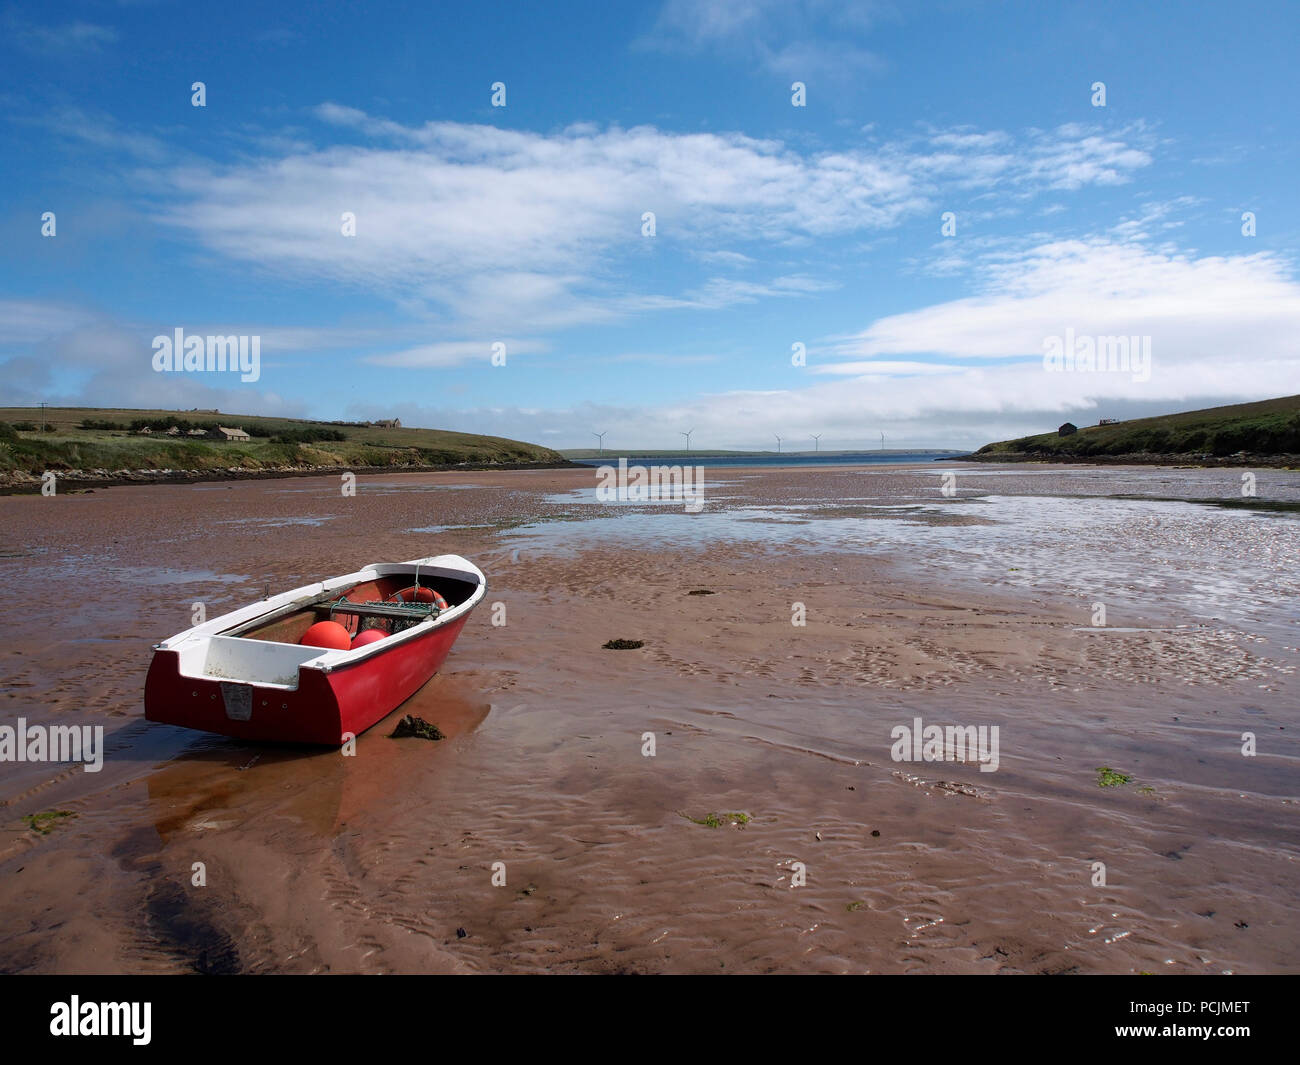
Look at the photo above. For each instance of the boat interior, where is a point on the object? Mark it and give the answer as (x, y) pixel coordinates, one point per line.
(266, 649)
(361, 606)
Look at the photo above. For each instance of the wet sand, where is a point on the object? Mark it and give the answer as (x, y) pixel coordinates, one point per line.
(974, 609)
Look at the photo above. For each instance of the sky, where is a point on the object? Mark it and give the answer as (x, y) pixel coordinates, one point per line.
(746, 219)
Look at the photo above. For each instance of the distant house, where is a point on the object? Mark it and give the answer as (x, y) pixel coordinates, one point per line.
(1068, 429)
(389, 423)
(146, 431)
(175, 430)
(222, 433)
(196, 432)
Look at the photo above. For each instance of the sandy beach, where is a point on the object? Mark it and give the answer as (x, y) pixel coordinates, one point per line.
(971, 609)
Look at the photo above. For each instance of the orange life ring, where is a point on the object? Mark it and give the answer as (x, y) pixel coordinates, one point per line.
(419, 595)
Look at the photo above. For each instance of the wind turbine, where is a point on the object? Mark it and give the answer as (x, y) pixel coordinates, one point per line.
(882, 441)
(686, 434)
(601, 438)
(778, 444)
(817, 441)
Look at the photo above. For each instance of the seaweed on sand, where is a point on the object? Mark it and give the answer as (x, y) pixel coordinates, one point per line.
(411, 725)
(713, 820)
(44, 823)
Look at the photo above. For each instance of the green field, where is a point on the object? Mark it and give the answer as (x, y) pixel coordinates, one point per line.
(68, 447)
(1270, 427)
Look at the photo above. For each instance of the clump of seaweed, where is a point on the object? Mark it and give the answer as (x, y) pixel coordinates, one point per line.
(622, 645)
(714, 820)
(45, 823)
(701, 591)
(1111, 778)
(417, 727)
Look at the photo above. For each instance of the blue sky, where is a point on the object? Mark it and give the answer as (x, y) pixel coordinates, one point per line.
(775, 225)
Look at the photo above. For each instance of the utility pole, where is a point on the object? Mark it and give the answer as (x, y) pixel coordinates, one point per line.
(686, 434)
(601, 438)
(817, 442)
(42, 417)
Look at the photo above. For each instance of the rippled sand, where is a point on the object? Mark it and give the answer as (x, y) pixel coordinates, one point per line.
(972, 609)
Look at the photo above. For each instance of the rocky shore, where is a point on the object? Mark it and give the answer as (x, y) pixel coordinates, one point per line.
(14, 482)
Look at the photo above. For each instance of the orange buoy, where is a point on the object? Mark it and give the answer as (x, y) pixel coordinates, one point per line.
(366, 636)
(421, 595)
(328, 634)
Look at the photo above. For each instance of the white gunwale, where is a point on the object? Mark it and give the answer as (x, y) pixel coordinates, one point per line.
(193, 644)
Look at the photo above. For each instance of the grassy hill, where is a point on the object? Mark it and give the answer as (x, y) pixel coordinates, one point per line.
(279, 445)
(1267, 429)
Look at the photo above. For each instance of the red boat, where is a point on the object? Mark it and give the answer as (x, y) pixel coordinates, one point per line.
(248, 674)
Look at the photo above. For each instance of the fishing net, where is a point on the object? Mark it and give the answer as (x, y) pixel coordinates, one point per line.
(387, 616)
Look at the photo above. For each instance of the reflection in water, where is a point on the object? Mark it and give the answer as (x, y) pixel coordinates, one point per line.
(222, 784)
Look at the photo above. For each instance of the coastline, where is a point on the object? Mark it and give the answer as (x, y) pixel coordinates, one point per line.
(1277, 462)
(22, 483)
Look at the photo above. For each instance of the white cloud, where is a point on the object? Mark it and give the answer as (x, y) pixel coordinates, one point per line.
(884, 368)
(25, 321)
(1213, 309)
(961, 139)
(705, 22)
(70, 38)
(1223, 329)
(810, 39)
(725, 258)
(511, 230)
(718, 292)
(453, 353)
(543, 228)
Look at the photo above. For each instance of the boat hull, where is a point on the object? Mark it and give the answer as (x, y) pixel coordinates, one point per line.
(324, 708)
